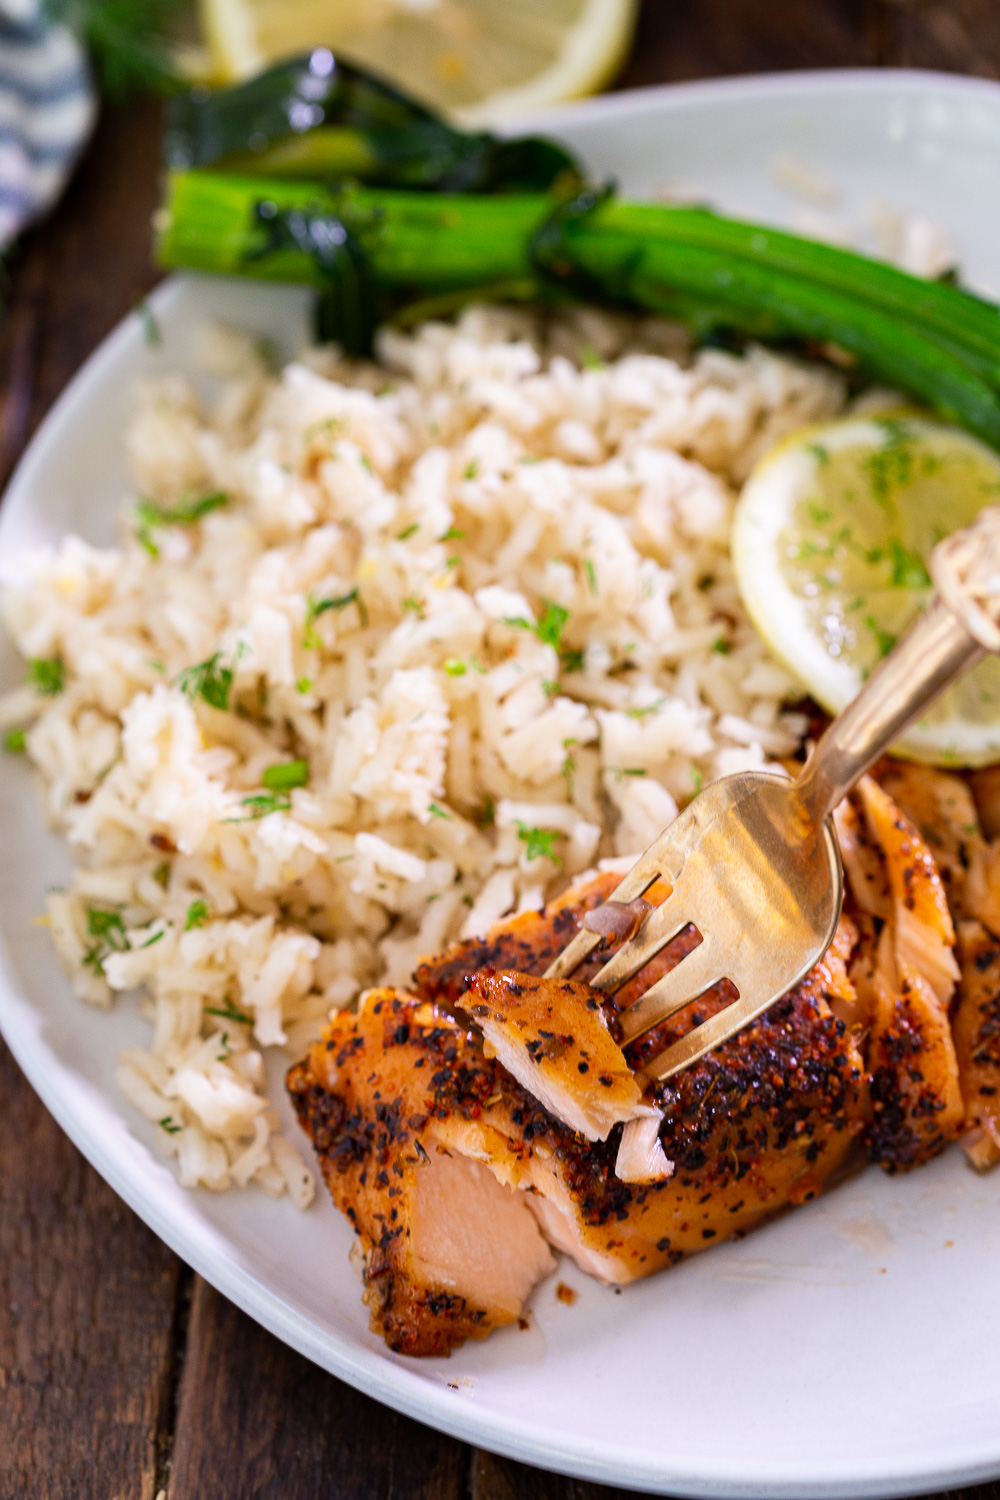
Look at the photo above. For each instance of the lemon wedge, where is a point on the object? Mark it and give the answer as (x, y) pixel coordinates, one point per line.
(478, 60)
(831, 540)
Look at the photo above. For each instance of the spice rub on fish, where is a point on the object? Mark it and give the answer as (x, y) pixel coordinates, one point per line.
(551, 1035)
(401, 1102)
(455, 1174)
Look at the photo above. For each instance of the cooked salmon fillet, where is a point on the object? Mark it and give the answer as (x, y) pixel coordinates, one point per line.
(458, 1172)
(916, 1097)
(761, 1123)
(551, 1035)
(976, 1030)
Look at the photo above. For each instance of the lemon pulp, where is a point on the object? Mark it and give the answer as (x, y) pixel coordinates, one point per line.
(831, 542)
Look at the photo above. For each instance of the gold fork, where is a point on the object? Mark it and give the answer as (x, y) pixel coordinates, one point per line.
(753, 861)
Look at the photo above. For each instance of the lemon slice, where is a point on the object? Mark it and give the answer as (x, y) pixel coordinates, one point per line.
(831, 541)
(479, 60)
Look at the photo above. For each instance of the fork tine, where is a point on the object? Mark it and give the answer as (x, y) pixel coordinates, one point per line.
(661, 926)
(670, 994)
(663, 860)
(573, 954)
(718, 1028)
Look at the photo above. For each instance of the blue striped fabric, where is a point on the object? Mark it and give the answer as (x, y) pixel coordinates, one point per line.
(47, 109)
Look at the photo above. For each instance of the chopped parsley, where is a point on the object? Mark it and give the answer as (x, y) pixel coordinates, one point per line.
(47, 675)
(572, 661)
(539, 843)
(452, 535)
(229, 1012)
(412, 605)
(303, 685)
(646, 710)
(567, 770)
(471, 469)
(549, 628)
(590, 359)
(207, 680)
(162, 874)
(197, 915)
(591, 576)
(455, 667)
(437, 811)
(697, 779)
(285, 775)
(408, 531)
(169, 1124)
(161, 933)
(106, 927)
(15, 741)
(721, 647)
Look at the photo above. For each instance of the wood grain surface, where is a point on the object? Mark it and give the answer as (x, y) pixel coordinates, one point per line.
(122, 1376)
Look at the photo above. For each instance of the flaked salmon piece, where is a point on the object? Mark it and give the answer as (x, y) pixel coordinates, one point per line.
(940, 805)
(641, 1157)
(759, 1124)
(946, 810)
(985, 788)
(976, 1032)
(447, 1251)
(922, 930)
(529, 942)
(916, 1099)
(552, 1036)
(863, 864)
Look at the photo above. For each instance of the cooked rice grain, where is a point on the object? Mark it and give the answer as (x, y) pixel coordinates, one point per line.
(485, 594)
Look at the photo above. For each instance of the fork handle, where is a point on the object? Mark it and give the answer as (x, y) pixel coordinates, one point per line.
(961, 623)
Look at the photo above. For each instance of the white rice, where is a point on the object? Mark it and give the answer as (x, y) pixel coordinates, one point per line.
(483, 474)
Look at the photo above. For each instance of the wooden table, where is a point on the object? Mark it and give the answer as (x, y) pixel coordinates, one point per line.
(123, 1376)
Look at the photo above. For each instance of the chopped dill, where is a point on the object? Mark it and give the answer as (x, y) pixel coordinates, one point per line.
(207, 680)
(229, 1012)
(107, 928)
(317, 607)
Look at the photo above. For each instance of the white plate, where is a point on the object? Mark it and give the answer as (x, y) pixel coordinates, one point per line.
(852, 1347)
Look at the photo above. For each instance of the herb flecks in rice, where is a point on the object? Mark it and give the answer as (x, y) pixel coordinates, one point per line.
(297, 746)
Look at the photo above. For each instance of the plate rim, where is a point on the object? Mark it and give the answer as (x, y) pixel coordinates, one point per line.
(371, 1370)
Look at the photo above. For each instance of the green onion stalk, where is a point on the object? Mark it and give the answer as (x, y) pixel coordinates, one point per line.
(524, 228)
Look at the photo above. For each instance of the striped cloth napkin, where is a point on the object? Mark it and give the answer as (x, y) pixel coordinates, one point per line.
(47, 109)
